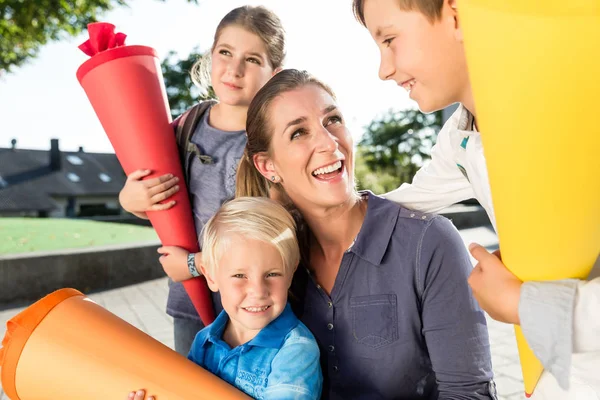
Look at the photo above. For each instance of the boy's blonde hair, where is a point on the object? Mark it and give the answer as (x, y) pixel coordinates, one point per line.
(257, 218)
(432, 9)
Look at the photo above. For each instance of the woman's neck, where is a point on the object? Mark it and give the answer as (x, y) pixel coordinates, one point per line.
(335, 229)
(228, 118)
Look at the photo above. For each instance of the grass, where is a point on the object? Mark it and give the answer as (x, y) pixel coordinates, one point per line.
(22, 235)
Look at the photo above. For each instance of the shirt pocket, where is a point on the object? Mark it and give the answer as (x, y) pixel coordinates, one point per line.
(374, 320)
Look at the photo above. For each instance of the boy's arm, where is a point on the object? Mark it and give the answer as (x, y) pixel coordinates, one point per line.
(295, 372)
(437, 185)
(560, 318)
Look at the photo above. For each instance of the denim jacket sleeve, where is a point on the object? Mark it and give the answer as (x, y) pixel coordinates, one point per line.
(559, 319)
(454, 325)
(295, 370)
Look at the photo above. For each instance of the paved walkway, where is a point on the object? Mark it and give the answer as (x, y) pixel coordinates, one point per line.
(143, 306)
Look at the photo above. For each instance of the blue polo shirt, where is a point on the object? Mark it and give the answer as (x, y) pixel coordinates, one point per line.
(400, 321)
(281, 362)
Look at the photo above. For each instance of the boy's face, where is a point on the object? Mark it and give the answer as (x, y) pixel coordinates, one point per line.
(425, 58)
(253, 285)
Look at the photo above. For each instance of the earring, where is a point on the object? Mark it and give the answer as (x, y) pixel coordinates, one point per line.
(273, 178)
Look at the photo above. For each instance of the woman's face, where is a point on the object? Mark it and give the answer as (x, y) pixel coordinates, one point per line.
(311, 149)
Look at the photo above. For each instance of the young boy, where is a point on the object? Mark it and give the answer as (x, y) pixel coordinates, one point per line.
(257, 344)
(421, 48)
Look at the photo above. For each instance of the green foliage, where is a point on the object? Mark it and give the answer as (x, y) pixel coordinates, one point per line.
(181, 91)
(27, 25)
(378, 181)
(393, 148)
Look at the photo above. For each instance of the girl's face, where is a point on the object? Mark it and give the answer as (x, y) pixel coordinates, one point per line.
(240, 66)
(311, 149)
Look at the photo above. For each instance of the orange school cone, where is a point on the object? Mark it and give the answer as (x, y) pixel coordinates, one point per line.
(125, 87)
(66, 347)
(533, 68)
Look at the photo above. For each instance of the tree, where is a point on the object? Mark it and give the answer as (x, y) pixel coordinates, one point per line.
(181, 91)
(27, 25)
(394, 147)
(377, 181)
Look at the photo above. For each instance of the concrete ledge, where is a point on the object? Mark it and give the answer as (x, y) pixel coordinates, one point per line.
(28, 277)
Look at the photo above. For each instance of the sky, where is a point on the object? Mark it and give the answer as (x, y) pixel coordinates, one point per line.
(43, 99)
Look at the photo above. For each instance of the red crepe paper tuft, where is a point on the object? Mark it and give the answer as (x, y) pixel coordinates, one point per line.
(102, 37)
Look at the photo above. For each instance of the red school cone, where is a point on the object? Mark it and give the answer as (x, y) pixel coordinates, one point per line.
(125, 87)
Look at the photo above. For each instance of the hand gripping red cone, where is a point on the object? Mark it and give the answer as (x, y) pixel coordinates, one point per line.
(125, 87)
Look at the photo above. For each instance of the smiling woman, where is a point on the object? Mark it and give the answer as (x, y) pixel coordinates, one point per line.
(383, 289)
(332, 162)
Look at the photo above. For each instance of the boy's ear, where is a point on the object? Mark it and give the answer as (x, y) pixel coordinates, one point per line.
(277, 70)
(453, 10)
(265, 166)
(209, 279)
(453, 4)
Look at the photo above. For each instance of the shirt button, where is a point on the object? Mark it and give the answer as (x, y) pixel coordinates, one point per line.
(329, 304)
(331, 347)
(330, 326)
(318, 286)
(335, 368)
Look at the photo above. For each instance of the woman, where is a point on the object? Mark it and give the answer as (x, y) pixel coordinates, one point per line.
(383, 289)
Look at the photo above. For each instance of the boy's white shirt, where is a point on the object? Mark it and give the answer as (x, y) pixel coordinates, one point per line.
(440, 183)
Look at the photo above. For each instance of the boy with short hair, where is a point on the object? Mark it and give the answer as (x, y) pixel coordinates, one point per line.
(422, 50)
(257, 344)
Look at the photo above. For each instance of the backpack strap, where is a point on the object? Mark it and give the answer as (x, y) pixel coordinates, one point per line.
(185, 125)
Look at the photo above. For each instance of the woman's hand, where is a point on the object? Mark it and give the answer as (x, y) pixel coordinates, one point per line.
(139, 196)
(174, 262)
(139, 395)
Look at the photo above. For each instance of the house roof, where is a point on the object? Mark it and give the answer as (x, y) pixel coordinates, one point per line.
(24, 198)
(28, 183)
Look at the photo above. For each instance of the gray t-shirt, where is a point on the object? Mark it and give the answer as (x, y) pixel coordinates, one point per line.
(211, 182)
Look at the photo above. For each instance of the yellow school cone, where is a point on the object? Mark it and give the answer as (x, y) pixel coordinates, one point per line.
(535, 71)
